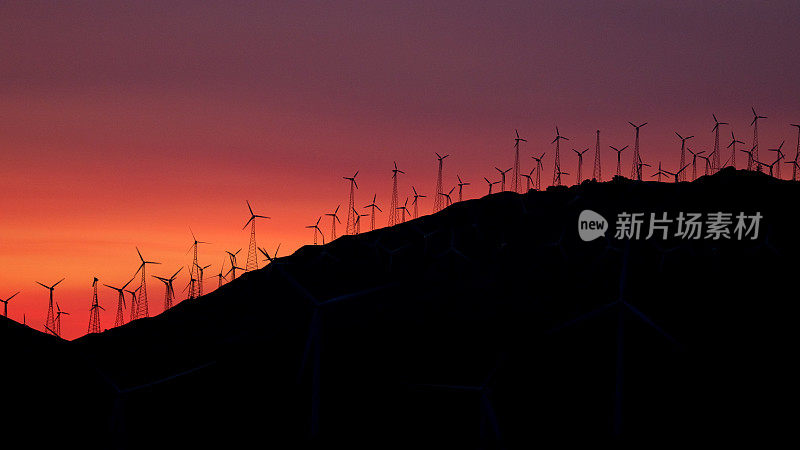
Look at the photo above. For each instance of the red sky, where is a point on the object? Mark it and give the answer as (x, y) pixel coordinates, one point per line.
(122, 124)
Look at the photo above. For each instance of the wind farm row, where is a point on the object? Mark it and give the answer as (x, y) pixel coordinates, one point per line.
(133, 300)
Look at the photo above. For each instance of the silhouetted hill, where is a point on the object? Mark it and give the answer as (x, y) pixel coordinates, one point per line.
(489, 321)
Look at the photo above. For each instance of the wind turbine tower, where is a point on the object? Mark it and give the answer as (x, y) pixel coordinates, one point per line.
(437, 202)
(796, 154)
(539, 167)
(754, 155)
(683, 152)
(636, 172)
(94, 310)
(415, 202)
(694, 163)
(252, 249)
(169, 296)
(393, 207)
(461, 185)
(715, 155)
(59, 313)
(557, 168)
(515, 175)
(404, 208)
(120, 319)
(597, 173)
(373, 206)
(502, 179)
(139, 308)
(334, 218)
(50, 321)
(619, 158)
(317, 231)
(199, 270)
(133, 300)
(778, 159)
(733, 151)
(232, 257)
(580, 163)
(195, 265)
(350, 224)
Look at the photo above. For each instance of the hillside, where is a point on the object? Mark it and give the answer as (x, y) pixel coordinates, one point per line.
(490, 324)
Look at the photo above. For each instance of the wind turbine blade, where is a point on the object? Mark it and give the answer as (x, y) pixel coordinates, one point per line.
(59, 281)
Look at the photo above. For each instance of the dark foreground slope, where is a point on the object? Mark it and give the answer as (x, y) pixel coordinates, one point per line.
(490, 324)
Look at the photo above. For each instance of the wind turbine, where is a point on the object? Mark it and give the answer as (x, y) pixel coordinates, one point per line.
(461, 185)
(404, 209)
(195, 264)
(733, 151)
(59, 313)
(266, 253)
(350, 221)
(516, 173)
(120, 320)
(528, 180)
(619, 158)
(373, 206)
(637, 157)
(220, 276)
(334, 219)
(437, 203)
(356, 222)
(683, 151)
(597, 173)
(715, 160)
(557, 168)
(170, 291)
(94, 310)
(539, 168)
(780, 156)
(503, 178)
(192, 281)
(200, 278)
(749, 158)
(317, 231)
(490, 183)
(393, 206)
(133, 301)
(415, 202)
(796, 154)
(232, 257)
(252, 252)
(694, 163)
(659, 173)
(754, 124)
(641, 164)
(561, 172)
(447, 196)
(50, 321)
(141, 307)
(5, 303)
(676, 174)
(580, 163)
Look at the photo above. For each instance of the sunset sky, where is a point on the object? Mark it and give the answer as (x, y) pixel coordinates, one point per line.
(123, 124)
